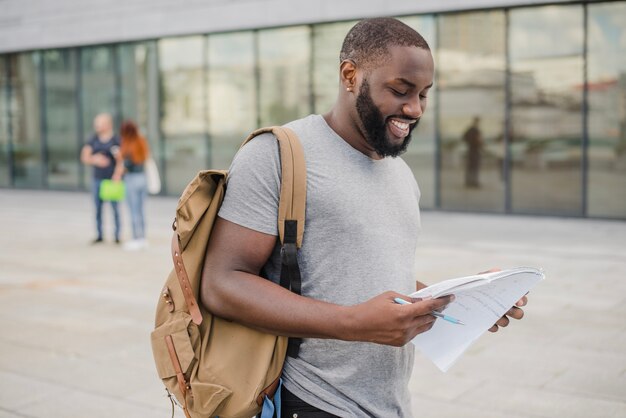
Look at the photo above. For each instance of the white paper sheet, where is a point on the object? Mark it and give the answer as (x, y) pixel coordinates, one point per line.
(480, 301)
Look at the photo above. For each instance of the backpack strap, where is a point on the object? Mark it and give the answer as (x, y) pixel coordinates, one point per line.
(291, 211)
(293, 182)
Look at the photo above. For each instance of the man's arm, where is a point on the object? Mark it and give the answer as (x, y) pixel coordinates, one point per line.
(87, 157)
(232, 289)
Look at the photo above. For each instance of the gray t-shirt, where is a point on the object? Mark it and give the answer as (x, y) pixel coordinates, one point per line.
(362, 223)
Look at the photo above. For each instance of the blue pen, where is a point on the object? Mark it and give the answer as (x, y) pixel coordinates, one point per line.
(433, 313)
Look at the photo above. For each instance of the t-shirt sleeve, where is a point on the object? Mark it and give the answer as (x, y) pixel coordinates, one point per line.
(253, 186)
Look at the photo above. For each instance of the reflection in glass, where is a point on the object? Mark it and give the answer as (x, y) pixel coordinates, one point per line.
(472, 102)
(327, 41)
(133, 63)
(546, 45)
(25, 120)
(231, 94)
(420, 155)
(5, 177)
(139, 92)
(61, 118)
(284, 56)
(97, 89)
(183, 118)
(607, 110)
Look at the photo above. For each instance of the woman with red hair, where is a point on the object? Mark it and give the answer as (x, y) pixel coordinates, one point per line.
(135, 151)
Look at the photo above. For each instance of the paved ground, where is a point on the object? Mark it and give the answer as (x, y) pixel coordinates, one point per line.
(75, 319)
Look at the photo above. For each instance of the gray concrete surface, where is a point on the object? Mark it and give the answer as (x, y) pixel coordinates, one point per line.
(75, 319)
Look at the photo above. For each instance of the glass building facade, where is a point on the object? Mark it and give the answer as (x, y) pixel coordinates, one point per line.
(529, 103)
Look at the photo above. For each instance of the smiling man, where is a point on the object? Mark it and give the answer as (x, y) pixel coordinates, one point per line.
(362, 224)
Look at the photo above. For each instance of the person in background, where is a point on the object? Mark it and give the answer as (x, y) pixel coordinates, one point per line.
(102, 152)
(134, 153)
(473, 138)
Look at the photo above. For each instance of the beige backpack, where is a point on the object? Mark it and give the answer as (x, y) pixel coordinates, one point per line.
(216, 367)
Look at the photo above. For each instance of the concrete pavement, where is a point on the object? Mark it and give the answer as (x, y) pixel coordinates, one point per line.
(75, 318)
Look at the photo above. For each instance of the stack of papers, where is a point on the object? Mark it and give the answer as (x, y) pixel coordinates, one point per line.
(480, 300)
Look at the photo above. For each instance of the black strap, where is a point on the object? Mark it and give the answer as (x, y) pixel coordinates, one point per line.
(290, 273)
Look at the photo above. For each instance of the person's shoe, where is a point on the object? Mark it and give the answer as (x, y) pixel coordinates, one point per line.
(97, 241)
(133, 245)
(117, 240)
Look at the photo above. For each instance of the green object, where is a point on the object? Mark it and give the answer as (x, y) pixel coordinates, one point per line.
(112, 191)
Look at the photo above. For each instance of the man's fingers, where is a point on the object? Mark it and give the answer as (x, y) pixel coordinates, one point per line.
(502, 322)
(522, 302)
(515, 313)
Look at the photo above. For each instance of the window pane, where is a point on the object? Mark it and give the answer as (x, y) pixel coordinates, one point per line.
(25, 120)
(133, 63)
(546, 46)
(327, 41)
(61, 119)
(420, 155)
(183, 119)
(231, 94)
(471, 85)
(284, 68)
(139, 94)
(97, 89)
(607, 110)
(5, 179)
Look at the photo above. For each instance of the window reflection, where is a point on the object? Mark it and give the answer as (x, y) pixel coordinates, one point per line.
(25, 121)
(183, 118)
(231, 94)
(61, 118)
(607, 110)
(420, 154)
(5, 177)
(284, 90)
(134, 66)
(327, 41)
(546, 78)
(472, 103)
(139, 92)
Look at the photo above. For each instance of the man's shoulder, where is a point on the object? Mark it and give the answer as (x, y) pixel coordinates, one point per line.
(91, 139)
(306, 124)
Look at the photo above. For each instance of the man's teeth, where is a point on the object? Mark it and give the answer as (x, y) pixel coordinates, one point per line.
(401, 125)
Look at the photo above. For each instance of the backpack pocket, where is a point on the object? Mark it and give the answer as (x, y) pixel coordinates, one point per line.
(178, 330)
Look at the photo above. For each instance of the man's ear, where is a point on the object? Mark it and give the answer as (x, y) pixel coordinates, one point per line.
(347, 73)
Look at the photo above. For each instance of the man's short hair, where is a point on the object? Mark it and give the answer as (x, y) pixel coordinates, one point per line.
(368, 42)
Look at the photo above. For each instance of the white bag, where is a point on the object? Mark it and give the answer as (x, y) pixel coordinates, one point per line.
(152, 176)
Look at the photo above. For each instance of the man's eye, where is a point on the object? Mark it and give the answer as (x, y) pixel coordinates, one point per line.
(423, 96)
(398, 93)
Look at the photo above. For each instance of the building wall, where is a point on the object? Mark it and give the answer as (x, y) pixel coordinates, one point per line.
(546, 82)
(37, 24)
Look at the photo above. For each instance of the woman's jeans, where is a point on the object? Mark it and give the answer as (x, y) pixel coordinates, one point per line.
(95, 191)
(136, 191)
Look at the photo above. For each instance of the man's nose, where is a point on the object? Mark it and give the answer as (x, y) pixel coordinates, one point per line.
(413, 109)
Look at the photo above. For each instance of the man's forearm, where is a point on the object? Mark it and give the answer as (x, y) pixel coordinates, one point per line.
(268, 307)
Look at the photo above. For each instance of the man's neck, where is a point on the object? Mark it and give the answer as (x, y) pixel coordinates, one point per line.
(105, 137)
(348, 130)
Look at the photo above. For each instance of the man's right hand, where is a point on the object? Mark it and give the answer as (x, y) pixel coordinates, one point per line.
(383, 321)
(100, 160)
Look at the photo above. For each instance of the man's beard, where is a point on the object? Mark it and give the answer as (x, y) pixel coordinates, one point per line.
(376, 127)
